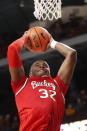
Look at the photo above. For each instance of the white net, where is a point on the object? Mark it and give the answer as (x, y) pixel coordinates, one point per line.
(47, 9)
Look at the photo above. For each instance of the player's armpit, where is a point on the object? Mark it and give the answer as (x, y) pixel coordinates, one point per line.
(67, 68)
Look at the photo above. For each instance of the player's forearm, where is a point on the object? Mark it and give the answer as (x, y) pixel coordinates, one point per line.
(61, 48)
(14, 59)
(19, 43)
(64, 49)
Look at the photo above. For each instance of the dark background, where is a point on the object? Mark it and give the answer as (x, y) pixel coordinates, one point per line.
(14, 18)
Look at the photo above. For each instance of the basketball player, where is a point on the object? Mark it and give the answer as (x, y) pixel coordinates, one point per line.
(40, 98)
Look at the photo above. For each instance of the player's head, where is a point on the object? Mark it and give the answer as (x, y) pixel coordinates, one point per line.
(39, 68)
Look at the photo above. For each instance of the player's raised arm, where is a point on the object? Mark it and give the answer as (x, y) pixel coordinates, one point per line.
(15, 64)
(67, 68)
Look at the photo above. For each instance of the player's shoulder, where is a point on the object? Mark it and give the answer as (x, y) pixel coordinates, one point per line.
(17, 85)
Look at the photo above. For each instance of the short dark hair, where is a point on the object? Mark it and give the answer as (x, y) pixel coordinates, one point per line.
(37, 61)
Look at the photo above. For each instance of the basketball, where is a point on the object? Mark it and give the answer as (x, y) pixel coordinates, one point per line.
(38, 39)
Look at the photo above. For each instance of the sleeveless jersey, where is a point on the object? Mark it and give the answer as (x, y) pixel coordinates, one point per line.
(40, 102)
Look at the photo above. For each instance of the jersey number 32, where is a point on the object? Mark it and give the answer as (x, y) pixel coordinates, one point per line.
(46, 95)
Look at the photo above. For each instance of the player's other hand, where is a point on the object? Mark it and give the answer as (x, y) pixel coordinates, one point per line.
(51, 39)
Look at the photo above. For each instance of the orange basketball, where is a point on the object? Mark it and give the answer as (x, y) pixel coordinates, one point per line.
(38, 39)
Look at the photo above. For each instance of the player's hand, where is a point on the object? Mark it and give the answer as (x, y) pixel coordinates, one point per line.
(51, 39)
(26, 45)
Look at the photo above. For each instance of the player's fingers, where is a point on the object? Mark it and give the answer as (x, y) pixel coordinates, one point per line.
(25, 34)
(48, 46)
(51, 39)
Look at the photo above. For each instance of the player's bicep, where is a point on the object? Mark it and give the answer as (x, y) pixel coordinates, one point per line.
(67, 68)
(16, 73)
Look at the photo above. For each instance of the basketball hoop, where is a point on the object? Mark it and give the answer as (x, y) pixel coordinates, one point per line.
(47, 9)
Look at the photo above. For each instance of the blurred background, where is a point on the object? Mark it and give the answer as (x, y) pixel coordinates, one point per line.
(16, 16)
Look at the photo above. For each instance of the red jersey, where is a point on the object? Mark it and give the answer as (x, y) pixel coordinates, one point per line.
(40, 102)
